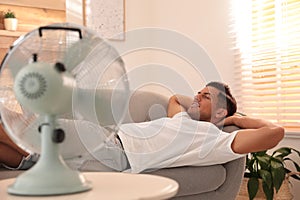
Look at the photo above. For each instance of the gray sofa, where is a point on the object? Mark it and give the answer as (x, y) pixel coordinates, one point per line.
(209, 182)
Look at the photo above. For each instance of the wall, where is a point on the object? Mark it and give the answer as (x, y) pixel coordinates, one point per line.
(202, 21)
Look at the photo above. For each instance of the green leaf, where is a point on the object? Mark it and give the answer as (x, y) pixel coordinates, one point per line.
(298, 152)
(9, 14)
(264, 161)
(284, 151)
(295, 164)
(266, 177)
(278, 174)
(278, 159)
(269, 192)
(252, 186)
(251, 174)
(287, 170)
(297, 177)
(247, 175)
(249, 165)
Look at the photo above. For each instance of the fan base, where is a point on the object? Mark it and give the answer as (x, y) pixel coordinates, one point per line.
(50, 175)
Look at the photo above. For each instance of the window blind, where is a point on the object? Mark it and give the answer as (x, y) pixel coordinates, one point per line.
(266, 37)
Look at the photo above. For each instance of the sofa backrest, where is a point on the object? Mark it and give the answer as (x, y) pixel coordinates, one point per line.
(146, 106)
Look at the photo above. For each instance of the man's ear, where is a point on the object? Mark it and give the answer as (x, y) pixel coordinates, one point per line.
(221, 113)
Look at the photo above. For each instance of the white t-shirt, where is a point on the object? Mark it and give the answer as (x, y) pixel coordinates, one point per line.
(177, 141)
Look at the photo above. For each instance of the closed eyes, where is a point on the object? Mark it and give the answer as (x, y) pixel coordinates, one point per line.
(205, 95)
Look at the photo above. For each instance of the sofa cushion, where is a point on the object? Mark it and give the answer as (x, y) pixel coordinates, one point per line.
(195, 180)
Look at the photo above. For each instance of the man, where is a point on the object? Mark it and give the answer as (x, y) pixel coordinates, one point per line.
(189, 135)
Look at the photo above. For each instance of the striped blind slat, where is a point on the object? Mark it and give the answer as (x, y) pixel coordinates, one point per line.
(267, 59)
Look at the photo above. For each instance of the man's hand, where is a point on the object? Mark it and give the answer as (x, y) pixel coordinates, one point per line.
(246, 122)
(228, 121)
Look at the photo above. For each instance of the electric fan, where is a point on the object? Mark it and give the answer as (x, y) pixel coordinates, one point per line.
(56, 73)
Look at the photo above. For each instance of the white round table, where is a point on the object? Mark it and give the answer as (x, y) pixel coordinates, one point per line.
(110, 186)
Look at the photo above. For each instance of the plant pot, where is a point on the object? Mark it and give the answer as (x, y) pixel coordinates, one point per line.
(284, 192)
(11, 24)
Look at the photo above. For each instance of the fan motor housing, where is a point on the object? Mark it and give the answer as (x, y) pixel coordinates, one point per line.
(44, 89)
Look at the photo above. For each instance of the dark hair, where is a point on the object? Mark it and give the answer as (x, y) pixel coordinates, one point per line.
(225, 97)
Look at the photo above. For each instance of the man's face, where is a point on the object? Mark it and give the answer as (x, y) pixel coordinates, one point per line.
(204, 104)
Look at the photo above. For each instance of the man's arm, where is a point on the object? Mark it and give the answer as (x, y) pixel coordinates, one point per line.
(178, 103)
(257, 134)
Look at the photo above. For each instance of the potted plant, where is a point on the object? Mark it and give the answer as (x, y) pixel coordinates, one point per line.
(270, 170)
(10, 21)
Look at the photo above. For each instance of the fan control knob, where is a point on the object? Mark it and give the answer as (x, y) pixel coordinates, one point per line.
(58, 135)
(60, 67)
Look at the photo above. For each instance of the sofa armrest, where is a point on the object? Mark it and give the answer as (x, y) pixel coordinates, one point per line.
(235, 170)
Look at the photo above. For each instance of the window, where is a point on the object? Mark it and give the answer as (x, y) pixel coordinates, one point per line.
(267, 58)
